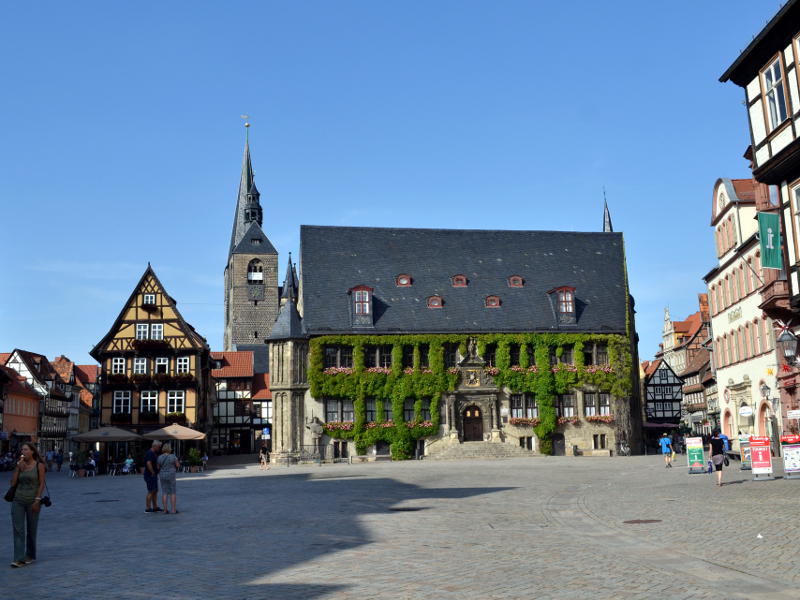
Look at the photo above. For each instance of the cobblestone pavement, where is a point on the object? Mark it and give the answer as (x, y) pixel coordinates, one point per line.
(536, 528)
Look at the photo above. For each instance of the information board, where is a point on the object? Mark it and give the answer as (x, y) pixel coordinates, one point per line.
(790, 444)
(744, 450)
(694, 455)
(760, 456)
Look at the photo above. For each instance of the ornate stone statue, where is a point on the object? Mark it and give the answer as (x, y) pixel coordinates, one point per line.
(472, 348)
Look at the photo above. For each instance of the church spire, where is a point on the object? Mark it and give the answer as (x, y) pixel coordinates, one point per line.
(289, 293)
(248, 206)
(607, 226)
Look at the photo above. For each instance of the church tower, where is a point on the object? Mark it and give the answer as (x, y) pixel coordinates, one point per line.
(251, 275)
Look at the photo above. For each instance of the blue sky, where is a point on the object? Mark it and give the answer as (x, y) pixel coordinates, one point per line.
(122, 142)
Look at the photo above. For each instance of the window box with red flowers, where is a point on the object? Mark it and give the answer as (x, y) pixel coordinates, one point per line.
(600, 419)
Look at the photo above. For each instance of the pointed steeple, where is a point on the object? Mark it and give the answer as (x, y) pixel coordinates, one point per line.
(248, 207)
(289, 293)
(607, 226)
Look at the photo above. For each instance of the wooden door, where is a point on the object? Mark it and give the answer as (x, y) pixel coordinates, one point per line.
(473, 424)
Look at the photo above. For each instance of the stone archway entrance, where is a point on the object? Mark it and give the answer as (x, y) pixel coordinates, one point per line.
(473, 424)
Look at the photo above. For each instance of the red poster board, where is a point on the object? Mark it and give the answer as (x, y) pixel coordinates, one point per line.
(760, 455)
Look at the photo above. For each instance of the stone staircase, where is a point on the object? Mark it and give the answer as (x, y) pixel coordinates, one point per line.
(477, 450)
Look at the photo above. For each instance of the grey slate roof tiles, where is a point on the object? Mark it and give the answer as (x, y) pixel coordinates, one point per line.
(336, 259)
(248, 245)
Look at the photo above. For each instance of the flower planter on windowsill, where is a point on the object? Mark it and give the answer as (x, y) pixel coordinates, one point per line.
(176, 418)
(148, 417)
(120, 418)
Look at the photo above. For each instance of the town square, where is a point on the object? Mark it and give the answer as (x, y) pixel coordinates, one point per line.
(401, 300)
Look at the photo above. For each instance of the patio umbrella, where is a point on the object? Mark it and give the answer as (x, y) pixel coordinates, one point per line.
(175, 432)
(107, 434)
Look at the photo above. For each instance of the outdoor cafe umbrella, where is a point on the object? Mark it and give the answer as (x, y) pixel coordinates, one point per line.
(107, 434)
(175, 432)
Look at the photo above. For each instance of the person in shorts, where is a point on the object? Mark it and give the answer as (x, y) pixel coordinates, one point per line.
(151, 477)
(168, 465)
(666, 450)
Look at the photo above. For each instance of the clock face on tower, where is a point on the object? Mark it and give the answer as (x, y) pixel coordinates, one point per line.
(255, 292)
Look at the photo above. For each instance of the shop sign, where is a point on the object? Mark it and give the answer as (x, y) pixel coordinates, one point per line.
(793, 414)
(694, 455)
(760, 455)
(745, 411)
(744, 449)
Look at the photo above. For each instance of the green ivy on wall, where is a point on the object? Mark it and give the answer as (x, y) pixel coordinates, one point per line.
(534, 374)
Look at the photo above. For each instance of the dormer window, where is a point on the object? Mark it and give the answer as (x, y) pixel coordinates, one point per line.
(255, 272)
(435, 302)
(492, 301)
(403, 280)
(565, 300)
(459, 281)
(362, 299)
(515, 281)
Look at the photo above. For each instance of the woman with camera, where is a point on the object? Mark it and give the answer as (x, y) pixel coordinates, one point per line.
(29, 479)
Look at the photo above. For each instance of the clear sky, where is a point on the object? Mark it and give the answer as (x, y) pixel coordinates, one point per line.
(121, 138)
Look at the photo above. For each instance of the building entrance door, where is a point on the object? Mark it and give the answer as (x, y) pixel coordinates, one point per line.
(473, 424)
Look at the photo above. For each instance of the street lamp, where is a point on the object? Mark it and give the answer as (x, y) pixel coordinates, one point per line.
(765, 390)
(787, 342)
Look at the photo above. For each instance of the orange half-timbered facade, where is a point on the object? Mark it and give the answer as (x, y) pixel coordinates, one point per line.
(154, 365)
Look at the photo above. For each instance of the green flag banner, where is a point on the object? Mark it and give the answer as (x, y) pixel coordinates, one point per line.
(769, 235)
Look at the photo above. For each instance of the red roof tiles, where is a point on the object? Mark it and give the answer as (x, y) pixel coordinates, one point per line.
(261, 389)
(4, 356)
(745, 189)
(234, 364)
(17, 384)
(87, 373)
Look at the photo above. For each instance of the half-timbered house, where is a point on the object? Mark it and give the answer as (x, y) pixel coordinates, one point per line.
(662, 400)
(154, 365)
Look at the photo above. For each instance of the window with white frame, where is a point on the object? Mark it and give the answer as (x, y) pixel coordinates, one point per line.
(595, 405)
(176, 400)
(139, 366)
(141, 331)
(266, 410)
(149, 401)
(149, 299)
(774, 95)
(162, 364)
(157, 331)
(182, 364)
(117, 366)
(524, 406)
(794, 194)
(361, 299)
(122, 402)
(565, 406)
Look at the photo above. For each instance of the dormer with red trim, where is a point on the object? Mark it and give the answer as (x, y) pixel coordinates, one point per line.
(563, 300)
(459, 280)
(515, 281)
(435, 302)
(403, 280)
(361, 306)
(492, 302)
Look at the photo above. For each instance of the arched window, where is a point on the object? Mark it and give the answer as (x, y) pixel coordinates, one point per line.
(255, 272)
(731, 233)
(739, 345)
(746, 279)
(725, 298)
(719, 348)
(739, 284)
(731, 355)
(767, 334)
(712, 301)
(492, 301)
(748, 341)
(459, 281)
(757, 335)
(435, 302)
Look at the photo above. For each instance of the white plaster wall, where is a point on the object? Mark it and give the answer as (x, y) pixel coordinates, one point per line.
(783, 139)
(747, 219)
(790, 223)
(762, 155)
(753, 90)
(788, 55)
(756, 113)
(793, 95)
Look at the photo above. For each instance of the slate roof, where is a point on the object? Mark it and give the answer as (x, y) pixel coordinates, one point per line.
(234, 364)
(247, 246)
(336, 259)
(288, 325)
(260, 356)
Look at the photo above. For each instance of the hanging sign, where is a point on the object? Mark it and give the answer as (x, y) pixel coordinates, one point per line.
(769, 237)
(792, 414)
(744, 449)
(694, 455)
(760, 456)
(745, 411)
(790, 444)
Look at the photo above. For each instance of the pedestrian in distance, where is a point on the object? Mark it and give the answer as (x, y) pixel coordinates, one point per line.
(50, 457)
(666, 450)
(59, 458)
(29, 477)
(717, 454)
(168, 465)
(263, 457)
(151, 477)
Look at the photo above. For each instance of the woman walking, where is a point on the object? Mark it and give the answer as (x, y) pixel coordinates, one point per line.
(168, 465)
(29, 477)
(717, 454)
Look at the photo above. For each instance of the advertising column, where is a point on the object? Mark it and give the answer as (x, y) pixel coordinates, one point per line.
(761, 458)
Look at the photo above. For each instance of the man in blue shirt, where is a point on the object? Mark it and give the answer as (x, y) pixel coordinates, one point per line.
(151, 477)
(666, 450)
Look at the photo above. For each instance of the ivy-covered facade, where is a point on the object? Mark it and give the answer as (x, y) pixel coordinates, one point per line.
(416, 342)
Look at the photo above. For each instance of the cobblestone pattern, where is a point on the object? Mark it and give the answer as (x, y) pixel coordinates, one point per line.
(536, 528)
